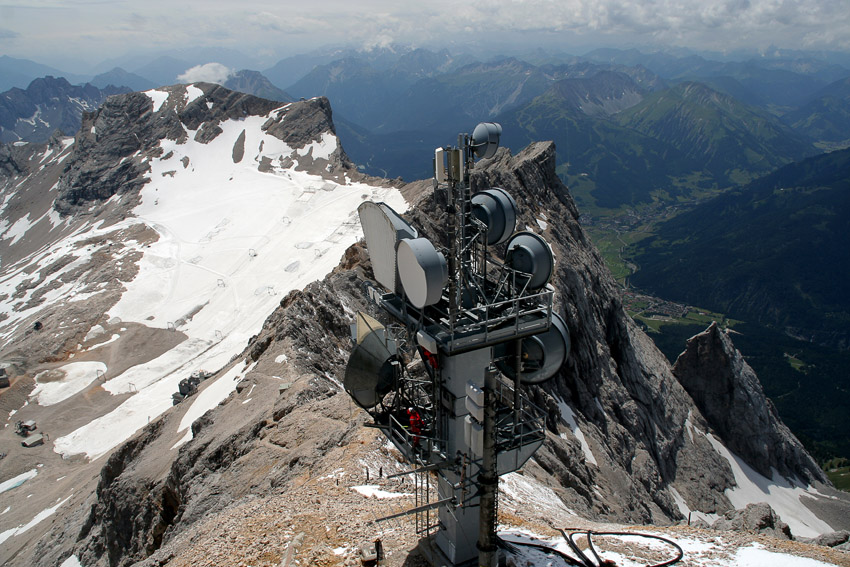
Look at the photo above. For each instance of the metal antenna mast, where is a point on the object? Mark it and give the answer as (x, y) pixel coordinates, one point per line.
(482, 325)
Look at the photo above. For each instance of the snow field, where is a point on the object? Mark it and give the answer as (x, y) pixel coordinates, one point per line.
(16, 481)
(233, 241)
(783, 495)
(77, 377)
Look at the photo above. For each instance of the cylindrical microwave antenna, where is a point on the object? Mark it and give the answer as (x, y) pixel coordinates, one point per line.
(497, 209)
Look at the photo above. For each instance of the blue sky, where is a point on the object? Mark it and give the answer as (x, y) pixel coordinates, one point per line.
(86, 32)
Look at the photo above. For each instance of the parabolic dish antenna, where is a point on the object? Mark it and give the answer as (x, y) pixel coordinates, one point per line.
(485, 139)
(542, 354)
(529, 253)
(383, 228)
(497, 209)
(370, 373)
(423, 271)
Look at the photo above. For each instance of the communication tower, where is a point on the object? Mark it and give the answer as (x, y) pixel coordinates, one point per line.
(481, 325)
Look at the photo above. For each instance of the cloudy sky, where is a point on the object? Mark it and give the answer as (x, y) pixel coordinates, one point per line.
(86, 32)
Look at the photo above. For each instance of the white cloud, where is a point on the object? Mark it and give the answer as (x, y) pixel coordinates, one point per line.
(88, 29)
(207, 73)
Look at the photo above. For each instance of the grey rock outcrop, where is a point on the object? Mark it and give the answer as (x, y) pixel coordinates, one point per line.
(115, 142)
(832, 539)
(759, 518)
(729, 395)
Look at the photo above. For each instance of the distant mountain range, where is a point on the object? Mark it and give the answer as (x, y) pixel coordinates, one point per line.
(625, 145)
(255, 83)
(49, 104)
(630, 127)
(120, 77)
(825, 118)
(46, 105)
(681, 125)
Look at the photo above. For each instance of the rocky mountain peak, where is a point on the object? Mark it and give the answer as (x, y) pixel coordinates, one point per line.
(729, 395)
(116, 143)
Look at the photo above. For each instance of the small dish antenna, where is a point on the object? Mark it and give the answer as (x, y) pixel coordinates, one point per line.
(529, 253)
(497, 209)
(542, 354)
(485, 139)
(423, 271)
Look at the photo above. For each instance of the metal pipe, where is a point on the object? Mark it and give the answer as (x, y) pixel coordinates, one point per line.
(517, 396)
(488, 479)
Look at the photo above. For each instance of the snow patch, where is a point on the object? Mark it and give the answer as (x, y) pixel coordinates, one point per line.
(322, 149)
(756, 556)
(212, 395)
(784, 496)
(72, 561)
(17, 230)
(158, 98)
(373, 491)
(569, 418)
(193, 93)
(16, 481)
(527, 492)
(41, 516)
(77, 377)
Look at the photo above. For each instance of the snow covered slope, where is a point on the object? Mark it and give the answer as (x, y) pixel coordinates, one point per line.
(104, 311)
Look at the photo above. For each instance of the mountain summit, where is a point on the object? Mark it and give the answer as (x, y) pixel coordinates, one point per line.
(178, 283)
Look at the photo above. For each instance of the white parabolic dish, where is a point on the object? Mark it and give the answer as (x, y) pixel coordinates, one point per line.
(423, 271)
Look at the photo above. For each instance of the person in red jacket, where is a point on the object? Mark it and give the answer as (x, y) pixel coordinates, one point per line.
(416, 424)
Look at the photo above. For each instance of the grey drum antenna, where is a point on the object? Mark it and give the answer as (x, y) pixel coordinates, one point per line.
(482, 325)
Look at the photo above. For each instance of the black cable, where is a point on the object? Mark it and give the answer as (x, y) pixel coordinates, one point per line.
(568, 537)
(587, 562)
(584, 560)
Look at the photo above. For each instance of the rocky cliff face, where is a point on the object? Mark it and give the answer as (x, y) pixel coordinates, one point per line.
(623, 399)
(115, 143)
(729, 395)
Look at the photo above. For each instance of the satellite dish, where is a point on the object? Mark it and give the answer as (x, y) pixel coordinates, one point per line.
(383, 228)
(370, 373)
(497, 209)
(423, 271)
(529, 253)
(542, 354)
(485, 139)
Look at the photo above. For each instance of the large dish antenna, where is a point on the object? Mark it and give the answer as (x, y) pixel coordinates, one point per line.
(497, 209)
(542, 354)
(529, 253)
(383, 228)
(485, 139)
(423, 271)
(370, 373)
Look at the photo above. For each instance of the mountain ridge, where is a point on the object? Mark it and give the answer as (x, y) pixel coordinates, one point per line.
(238, 198)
